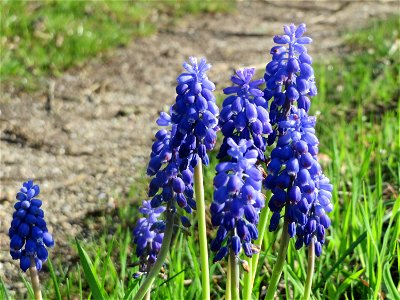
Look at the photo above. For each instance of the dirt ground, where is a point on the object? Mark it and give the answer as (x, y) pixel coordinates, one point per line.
(85, 137)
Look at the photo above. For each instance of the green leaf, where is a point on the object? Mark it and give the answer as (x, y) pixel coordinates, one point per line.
(169, 279)
(106, 262)
(54, 279)
(3, 291)
(347, 282)
(132, 290)
(341, 259)
(393, 293)
(28, 287)
(90, 275)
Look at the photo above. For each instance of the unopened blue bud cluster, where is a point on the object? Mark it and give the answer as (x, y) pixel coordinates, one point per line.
(294, 174)
(237, 201)
(244, 114)
(192, 125)
(148, 235)
(28, 232)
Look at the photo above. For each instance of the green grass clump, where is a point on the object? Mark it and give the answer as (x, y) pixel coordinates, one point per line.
(41, 39)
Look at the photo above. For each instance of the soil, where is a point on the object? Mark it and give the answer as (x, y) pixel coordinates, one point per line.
(85, 137)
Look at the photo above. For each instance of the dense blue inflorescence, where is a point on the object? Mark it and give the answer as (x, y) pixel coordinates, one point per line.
(194, 114)
(237, 201)
(192, 126)
(148, 235)
(244, 114)
(28, 232)
(289, 76)
(294, 174)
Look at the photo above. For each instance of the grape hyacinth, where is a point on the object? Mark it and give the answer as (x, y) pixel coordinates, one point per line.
(28, 232)
(244, 114)
(294, 174)
(194, 114)
(164, 166)
(289, 76)
(237, 201)
(297, 183)
(176, 151)
(148, 233)
(168, 186)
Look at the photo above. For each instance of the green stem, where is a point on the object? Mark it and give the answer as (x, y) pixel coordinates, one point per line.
(228, 283)
(247, 281)
(155, 270)
(278, 267)
(147, 297)
(262, 225)
(310, 270)
(202, 226)
(234, 268)
(35, 279)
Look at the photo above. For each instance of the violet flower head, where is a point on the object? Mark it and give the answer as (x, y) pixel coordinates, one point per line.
(297, 183)
(294, 174)
(244, 114)
(28, 232)
(148, 235)
(191, 132)
(237, 201)
(194, 114)
(169, 183)
(289, 76)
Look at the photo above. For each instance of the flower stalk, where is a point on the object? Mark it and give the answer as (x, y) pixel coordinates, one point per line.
(310, 270)
(202, 227)
(278, 267)
(247, 280)
(35, 279)
(262, 225)
(234, 268)
(228, 283)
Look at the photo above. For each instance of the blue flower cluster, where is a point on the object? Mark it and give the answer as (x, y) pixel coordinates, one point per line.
(294, 174)
(297, 183)
(289, 76)
(194, 114)
(28, 232)
(165, 166)
(237, 201)
(148, 235)
(244, 114)
(176, 152)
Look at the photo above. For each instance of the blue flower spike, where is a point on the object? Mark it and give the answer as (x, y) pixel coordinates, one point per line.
(289, 76)
(237, 201)
(28, 232)
(294, 174)
(190, 133)
(244, 114)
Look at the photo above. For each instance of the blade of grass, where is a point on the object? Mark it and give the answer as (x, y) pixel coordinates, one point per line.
(343, 287)
(340, 260)
(28, 287)
(132, 290)
(54, 279)
(393, 293)
(80, 284)
(68, 290)
(106, 262)
(3, 290)
(90, 274)
(169, 279)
